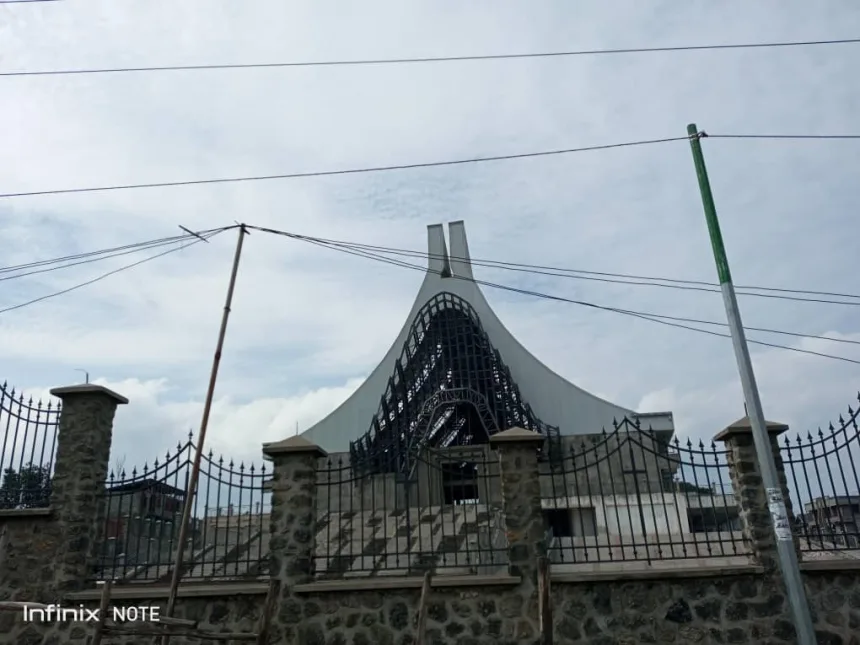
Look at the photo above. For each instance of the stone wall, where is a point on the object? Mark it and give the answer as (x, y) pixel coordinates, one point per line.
(46, 555)
(228, 611)
(734, 608)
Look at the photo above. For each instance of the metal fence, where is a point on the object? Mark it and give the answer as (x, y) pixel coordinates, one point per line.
(634, 494)
(29, 443)
(443, 513)
(228, 534)
(822, 471)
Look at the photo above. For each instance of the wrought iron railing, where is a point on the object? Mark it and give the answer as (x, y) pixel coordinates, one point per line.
(29, 442)
(634, 494)
(821, 469)
(228, 534)
(444, 516)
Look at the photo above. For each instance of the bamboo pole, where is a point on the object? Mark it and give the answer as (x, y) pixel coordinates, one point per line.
(103, 607)
(201, 438)
(544, 603)
(421, 627)
(268, 611)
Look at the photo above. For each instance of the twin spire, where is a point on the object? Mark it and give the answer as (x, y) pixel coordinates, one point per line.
(459, 262)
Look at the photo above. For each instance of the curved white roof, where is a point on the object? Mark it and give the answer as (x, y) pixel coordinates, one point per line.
(554, 400)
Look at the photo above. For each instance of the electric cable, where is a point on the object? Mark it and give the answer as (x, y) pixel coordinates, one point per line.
(348, 171)
(126, 267)
(622, 278)
(389, 168)
(93, 256)
(782, 136)
(433, 59)
(642, 315)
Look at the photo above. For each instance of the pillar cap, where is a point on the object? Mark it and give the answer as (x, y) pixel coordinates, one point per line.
(743, 426)
(87, 388)
(295, 445)
(516, 435)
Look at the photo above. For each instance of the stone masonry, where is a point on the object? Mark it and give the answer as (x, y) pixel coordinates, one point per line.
(45, 555)
(749, 488)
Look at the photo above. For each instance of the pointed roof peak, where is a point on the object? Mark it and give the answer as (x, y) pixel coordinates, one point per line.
(439, 261)
(437, 251)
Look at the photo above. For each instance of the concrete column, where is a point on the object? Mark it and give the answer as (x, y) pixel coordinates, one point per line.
(749, 490)
(524, 526)
(80, 472)
(293, 528)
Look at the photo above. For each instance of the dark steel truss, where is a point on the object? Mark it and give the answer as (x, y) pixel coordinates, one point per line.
(450, 387)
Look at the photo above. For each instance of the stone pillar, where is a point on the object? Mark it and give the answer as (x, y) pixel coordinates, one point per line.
(524, 526)
(80, 472)
(293, 529)
(749, 489)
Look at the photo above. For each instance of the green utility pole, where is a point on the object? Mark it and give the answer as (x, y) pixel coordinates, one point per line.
(782, 531)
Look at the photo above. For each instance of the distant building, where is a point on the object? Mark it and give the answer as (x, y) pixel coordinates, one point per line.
(142, 522)
(832, 519)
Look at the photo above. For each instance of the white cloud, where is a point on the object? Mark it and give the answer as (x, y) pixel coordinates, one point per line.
(308, 322)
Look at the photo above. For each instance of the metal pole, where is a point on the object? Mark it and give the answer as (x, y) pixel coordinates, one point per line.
(767, 464)
(204, 423)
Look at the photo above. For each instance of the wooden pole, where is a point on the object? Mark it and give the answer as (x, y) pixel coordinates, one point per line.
(268, 610)
(544, 602)
(103, 610)
(421, 626)
(201, 438)
(265, 621)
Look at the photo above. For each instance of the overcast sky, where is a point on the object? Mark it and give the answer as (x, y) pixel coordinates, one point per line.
(309, 324)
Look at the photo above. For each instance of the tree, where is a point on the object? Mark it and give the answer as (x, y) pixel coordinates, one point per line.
(28, 488)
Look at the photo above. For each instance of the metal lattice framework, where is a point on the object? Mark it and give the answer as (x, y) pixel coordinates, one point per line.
(450, 387)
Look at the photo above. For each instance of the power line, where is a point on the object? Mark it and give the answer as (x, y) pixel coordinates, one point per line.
(622, 278)
(94, 256)
(639, 313)
(782, 136)
(434, 59)
(411, 166)
(350, 171)
(642, 315)
(108, 274)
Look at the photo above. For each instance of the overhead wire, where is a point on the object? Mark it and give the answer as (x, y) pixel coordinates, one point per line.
(347, 171)
(194, 240)
(656, 318)
(394, 167)
(54, 264)
(431, 59)
(614, 278)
